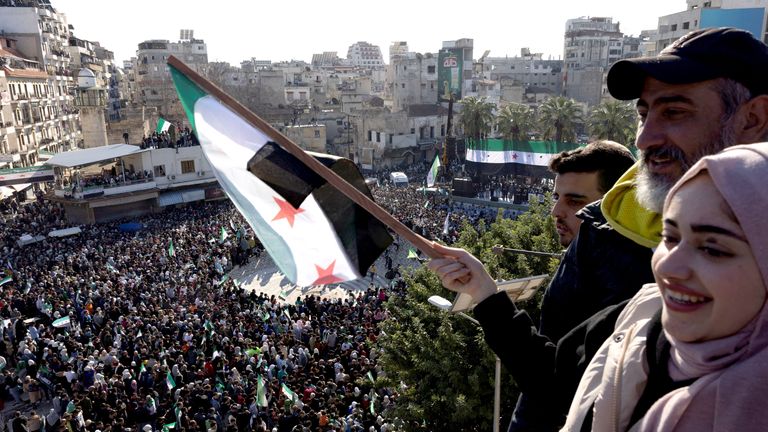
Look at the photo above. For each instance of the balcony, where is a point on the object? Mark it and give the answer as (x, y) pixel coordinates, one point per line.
(105, 190)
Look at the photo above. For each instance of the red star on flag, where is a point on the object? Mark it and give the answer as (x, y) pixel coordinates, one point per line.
(325, 275)
(286, 211)
(514, 156)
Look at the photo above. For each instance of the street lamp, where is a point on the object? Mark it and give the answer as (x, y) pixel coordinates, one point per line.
(445, 305)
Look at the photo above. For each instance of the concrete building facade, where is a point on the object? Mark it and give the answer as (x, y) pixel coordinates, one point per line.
(364, 54)
(36, 88)
(155, 87)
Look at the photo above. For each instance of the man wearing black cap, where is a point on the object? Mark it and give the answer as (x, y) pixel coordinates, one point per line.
(707, 91)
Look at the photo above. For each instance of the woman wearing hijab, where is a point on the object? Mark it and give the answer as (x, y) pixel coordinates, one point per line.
(688, 353)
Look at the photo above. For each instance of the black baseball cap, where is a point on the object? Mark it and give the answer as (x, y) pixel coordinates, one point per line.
(698, 56)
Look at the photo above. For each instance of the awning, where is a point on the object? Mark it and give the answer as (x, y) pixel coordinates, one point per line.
(170, 198)
(89, 156)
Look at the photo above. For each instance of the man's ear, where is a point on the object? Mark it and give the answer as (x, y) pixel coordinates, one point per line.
(753, 125)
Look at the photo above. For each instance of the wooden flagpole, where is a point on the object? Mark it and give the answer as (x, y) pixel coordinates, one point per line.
(331, 177)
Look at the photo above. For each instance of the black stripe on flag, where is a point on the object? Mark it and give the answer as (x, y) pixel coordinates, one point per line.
(363, 236)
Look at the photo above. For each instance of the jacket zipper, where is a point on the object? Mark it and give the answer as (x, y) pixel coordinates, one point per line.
(616, 412)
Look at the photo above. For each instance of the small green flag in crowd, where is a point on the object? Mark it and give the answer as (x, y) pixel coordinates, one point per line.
(261, 393)
(171, 249)
(412, 254)
(169, 381)
(223, 235)
(289, 393)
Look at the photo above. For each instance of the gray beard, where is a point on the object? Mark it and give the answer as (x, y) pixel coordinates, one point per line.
(651, 189)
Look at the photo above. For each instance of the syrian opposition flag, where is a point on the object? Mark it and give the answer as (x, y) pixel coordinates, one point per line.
(497, 151)
(61, 322)
(169, 381)
(261, 393)
(6, 280)
(223, 235)
(432, 174)
(289, 393)
(162, 125)
(171, 249)
(315, 234)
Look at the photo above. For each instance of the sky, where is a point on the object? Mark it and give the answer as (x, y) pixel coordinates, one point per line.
(236, 30)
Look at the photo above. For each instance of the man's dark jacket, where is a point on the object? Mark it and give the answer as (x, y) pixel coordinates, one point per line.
(600, 269)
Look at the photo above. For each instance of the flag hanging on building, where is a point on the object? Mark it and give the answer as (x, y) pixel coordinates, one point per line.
(162, 125)
(169, 381)
(498, 151)
(261, 393)
(314, 233)
(432, 174)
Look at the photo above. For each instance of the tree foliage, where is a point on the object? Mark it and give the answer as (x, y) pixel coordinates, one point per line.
(613, 120)
(441, 361)
(559, 118)
(515, 121)
(476, 117)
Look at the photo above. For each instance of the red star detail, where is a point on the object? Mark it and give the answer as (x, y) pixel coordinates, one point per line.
(286, 211)
(325, 276)
(514, 156)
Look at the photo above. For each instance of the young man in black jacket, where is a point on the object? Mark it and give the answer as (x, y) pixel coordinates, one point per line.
(705, 92)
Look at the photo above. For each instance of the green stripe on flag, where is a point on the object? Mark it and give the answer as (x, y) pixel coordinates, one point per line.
(5, 280)
(189, 93)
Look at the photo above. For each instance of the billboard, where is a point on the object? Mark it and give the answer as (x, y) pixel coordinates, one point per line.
(450, 62)
(749, 19)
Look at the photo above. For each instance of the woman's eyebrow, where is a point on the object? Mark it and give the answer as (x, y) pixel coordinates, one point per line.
(711, 229)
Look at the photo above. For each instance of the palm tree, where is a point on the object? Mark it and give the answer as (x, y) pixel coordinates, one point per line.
(558, 118)
(476, 117)
(515, 121)
(613, 120)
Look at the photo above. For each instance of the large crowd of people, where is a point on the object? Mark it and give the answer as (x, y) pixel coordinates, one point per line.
(139, 318)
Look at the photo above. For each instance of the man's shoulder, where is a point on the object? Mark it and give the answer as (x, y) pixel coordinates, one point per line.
(592, 215)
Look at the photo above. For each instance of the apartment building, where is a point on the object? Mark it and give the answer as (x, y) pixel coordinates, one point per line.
(38, 116)
(153, 79)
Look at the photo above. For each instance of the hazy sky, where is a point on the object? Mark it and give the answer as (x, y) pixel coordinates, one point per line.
(235, 30)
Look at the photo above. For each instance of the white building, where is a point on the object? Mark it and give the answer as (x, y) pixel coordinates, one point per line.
(365, 55)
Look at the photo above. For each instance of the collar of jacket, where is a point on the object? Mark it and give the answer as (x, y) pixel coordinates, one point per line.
(621, 210)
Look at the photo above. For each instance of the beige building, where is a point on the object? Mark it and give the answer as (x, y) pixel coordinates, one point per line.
(155, 87)
(309, 137)
(414, 80)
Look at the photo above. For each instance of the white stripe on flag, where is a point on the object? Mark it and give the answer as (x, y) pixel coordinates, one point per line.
(229, 143)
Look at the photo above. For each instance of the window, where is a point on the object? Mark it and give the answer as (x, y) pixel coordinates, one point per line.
(686, 25)
(442, 130)
(403, 85)
(413, 131)
(430, 69)
(159, 171)
(378, 136)
(187, 166)
(317, 133)
(673, 27)
(431, 131)
(369, 135)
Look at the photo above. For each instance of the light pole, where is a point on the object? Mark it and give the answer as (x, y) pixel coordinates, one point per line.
(445, 305)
